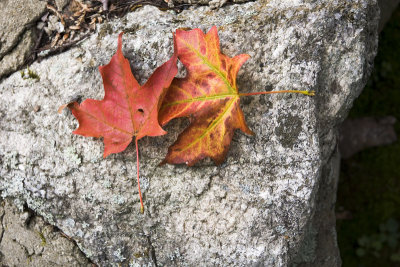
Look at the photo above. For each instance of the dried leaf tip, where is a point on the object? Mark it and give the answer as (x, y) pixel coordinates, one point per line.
(310, 93)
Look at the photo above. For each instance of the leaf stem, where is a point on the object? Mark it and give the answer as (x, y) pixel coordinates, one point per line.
(138, 182)
(310, 93)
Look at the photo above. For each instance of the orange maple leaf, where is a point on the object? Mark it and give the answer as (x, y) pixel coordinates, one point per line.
(209, 94)
(128, 110)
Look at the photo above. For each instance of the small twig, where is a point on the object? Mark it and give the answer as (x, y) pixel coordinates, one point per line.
(33, 55)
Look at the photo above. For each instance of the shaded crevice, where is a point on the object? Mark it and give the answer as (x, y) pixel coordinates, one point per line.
(15, 44)
(29, 220)
(2, 225)
(77, 247)
(56, 230)
(152, 251)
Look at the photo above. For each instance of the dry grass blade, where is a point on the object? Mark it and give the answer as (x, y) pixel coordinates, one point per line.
(65, 36)
(55, 40)
(74, 27)
(50, 7)
(81, 18)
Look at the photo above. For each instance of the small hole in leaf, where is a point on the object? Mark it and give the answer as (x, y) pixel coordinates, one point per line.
(141, 110)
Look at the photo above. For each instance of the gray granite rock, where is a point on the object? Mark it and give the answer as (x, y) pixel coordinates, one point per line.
(17, 34)
(261, 205)
(26, 240)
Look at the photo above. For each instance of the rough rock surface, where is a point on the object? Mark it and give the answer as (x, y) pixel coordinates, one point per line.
(17, 31)
(261, 207)
(26, 240)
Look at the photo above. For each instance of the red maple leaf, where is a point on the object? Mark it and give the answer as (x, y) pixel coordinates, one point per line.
(128, 110)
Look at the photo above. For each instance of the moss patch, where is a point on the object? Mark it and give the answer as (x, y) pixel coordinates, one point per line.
(30, 74)
(369, 186)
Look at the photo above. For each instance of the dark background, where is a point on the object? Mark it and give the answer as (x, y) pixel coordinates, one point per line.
(368, 200)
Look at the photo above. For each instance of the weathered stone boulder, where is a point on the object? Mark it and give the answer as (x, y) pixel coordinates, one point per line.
(264, 206)
(17, 32)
